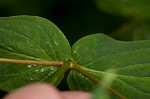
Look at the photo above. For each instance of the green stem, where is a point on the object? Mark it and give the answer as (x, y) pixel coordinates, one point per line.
(94, 79)
(15, 61)
(58, 76)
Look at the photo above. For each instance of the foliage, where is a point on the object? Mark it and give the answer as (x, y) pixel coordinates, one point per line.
(33, 49)
(137, 12)
(126, 7)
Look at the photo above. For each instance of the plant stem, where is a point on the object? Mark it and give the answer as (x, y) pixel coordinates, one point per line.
(15, 61)
(94, 79)
(58, 76)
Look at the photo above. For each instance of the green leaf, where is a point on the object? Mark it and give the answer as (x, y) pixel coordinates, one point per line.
(29, 38)
(101, 92)
(136, 8)
(96, 54)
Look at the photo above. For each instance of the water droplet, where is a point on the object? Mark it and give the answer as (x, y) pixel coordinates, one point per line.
(49, 74)
(51, 68)
(31, 78)
(83, 76)
(42, 70)
(36, 70)
(86, 78)
(29, 66)
(34, 65)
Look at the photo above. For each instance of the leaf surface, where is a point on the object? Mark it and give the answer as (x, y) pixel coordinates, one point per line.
(96, 54)
(29, 38)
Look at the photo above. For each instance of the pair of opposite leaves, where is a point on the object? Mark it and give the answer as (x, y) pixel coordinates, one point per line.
(35, 38)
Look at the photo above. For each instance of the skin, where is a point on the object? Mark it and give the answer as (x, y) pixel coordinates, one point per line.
(45, 91)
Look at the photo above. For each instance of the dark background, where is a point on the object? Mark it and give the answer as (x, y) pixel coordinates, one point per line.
(121, 19)
(126, 20)
(76, 18)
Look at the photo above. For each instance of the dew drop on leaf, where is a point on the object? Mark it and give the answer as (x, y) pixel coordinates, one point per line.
(83, 76)
(42, 70)
(29, 66)
(31, 78)
(34, 65)
(36, 70)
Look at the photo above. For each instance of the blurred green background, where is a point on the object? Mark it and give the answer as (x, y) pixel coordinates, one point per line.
(121, 19)
(126, 20)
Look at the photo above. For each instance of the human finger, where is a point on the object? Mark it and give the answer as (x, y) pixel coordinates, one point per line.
(35, 91)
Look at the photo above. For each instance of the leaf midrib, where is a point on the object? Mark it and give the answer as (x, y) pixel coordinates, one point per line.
(102, 72)
(114, 54)
(117, 75)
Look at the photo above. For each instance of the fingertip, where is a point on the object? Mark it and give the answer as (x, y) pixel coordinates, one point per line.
(35, 91)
